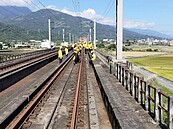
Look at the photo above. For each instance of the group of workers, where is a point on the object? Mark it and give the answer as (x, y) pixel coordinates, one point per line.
(77, 48)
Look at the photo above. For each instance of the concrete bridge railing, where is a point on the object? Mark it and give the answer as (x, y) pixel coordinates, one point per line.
(152, 99)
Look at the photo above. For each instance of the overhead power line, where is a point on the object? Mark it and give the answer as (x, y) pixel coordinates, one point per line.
(52, 14)
(33, 5)
(109, 8)
(74, 5)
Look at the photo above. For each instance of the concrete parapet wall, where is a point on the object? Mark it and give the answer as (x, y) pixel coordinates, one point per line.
(148, 96)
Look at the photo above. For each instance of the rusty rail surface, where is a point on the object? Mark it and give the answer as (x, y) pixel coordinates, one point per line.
(11, 57)
(18, 121)
(6, 69)
(26, 59)
(75, 108)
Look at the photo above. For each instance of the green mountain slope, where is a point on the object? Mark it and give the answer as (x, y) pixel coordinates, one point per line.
(11, 32)
(37, 24)
(75, 25)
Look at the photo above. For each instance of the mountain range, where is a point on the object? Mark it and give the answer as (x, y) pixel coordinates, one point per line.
(36, 23)
(151, 33)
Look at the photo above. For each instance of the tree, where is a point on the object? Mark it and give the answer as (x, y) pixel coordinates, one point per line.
(58, 42)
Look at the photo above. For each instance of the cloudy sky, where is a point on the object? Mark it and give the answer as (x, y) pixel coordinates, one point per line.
(144, 14)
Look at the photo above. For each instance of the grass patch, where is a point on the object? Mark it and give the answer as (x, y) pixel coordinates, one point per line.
(154, 61)
(161, 65)
(167, 73)
(164, 99)
(165, 90)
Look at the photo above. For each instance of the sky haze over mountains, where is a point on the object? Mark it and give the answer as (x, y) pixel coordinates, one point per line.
(141, 14)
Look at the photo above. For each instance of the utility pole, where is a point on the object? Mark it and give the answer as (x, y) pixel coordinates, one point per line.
(90, 35)
(94, 34)
(69, 38)
(49, 32)
(73, 39)
(119, 29)
(63, 36)
(27, 32)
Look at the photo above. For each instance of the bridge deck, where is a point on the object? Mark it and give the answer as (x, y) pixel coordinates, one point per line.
(124, 111)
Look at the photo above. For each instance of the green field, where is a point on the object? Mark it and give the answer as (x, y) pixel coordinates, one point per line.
(161, 65)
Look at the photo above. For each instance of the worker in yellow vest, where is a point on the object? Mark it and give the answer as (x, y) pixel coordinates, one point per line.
(92, 57)
(76, 55)
(60, 56)
(66, 51)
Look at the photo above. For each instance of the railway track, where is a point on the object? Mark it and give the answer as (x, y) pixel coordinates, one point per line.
(77, 118)
(65, 97)
(18, 64)
(19, 70)
(67, 75)
(18, 122)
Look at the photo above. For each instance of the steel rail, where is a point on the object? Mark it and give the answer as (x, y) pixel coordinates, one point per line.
(13, 67)
(17, 123)
(74, 114)
(22, 60)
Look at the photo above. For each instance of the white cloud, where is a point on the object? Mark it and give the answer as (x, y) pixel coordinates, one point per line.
(139, 24)
(89, 14)
(52, 7)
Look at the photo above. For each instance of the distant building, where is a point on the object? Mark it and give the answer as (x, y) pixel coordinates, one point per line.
(64, 44)
(45, 44)
(171, 43)
(105, 40)
(83, 39)
(21, 45)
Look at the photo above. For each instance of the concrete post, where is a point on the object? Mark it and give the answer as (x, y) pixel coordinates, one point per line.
(119, 28)
(123, 76)
(156, 104)
(110, 67)
(113, 68)
(117, 70)
(126, 78)
(120, 71)
(133, 86)
(139, 90)
(161, 104)
(146, 96)
(170, 112)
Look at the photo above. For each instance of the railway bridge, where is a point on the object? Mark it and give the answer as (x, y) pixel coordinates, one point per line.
(38, 92)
